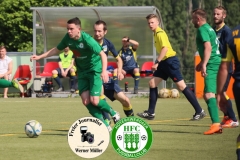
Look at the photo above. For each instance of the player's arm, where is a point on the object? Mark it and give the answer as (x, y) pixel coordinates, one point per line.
(134, 43)
(207, 53)
(223, 71)
(104, 74)
(49, 53)
(10, 66)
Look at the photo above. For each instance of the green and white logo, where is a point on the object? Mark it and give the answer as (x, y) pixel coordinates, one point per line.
(131, 137)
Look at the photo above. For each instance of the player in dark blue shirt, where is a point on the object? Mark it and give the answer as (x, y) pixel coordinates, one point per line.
(224, 35)
(128, 55)
(234, 45)
(111, 89)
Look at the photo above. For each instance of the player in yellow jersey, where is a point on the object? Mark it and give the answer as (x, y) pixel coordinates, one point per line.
(166, 65)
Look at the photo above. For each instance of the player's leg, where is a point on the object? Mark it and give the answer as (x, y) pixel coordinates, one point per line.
(229, 119)
(57, 74)
(136, 79)
(72, 75)
(236, 92)
(105, 114)
(83, 86)
(5, 90)
(173, 69)
(209, 96)
(124, 100)
(95, 92)
(5, 83)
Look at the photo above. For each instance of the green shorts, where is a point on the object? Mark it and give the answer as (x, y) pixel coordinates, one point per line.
(210, 81)
(91, 82)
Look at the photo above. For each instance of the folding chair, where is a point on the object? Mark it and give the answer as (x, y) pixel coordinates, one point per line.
(146, 70)
(48, 68)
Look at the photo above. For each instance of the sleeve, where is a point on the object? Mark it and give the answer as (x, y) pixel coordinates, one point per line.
(93, 45)
(113, 50)
(204, 35)
(64, 43)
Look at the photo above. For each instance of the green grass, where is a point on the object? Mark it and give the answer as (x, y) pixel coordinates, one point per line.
(175, 137)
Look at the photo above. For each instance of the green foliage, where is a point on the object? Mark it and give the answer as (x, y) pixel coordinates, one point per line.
(16, 20)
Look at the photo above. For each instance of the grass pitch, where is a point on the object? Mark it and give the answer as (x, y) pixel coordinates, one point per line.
(175, 137)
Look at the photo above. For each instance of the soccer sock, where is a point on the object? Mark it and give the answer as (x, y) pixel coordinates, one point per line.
(136, 79)
(238, 153)
(103, 105)
(57, 79)
(105, 114)
(115, 78)
(230, 111)
(153, 96)
(192, 99)
(96, 112)
(5, 83)
(73, 80)
(213, 110)
(128, 111)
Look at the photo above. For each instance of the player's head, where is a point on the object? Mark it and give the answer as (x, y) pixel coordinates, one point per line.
(125, 43)
(3, 51)
(153, 21)
(100, 29)
(66, 49)
(74, 28)
(219, 14)
(199, 17)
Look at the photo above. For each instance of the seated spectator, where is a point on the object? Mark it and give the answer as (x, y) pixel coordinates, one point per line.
(129, 58)
(6, 65)
(66, 69)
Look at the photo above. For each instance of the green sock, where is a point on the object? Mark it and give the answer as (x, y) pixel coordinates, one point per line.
(213, 110)
(5, 83)
(105, 107)
(96, 112)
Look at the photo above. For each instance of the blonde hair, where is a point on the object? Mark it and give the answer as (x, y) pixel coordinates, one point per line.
(150, 16)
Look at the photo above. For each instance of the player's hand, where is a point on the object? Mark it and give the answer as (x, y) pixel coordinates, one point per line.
(34, 57)
(120, 76)
(154, 67)
(104, 76)
(222, 102)
(204, 71)
(199, 67)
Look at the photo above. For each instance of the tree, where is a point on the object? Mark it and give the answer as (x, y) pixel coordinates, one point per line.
(16, 20)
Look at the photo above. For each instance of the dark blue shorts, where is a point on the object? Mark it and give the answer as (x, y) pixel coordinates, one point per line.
(230, 72)
(129, 70)
(60, 73)
(169, 67)
(110, 88)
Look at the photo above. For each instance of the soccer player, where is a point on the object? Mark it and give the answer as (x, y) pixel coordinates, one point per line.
(91, 63)
(111, 89)
(224, 36)
(128, 55)
(166, 65)
(207, 45)
(66, 69)
(234, 45)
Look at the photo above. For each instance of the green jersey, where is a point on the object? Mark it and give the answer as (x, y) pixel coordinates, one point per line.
(86, 51)
(205, 33)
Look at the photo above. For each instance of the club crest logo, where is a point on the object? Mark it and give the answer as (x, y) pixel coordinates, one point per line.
(131, 137)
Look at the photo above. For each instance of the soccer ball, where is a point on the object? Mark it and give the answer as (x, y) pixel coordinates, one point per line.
(33, 129)
(164, 93)
(119, 137)
(174, 93)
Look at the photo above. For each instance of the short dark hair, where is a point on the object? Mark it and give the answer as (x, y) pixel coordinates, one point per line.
(200, 12)
(103, 23)
(75, 21)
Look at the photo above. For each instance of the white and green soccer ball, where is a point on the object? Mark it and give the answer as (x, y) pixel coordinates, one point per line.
(33, 129)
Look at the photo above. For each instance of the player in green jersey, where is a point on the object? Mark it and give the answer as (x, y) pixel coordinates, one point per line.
(207, 45)
(91, 63)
